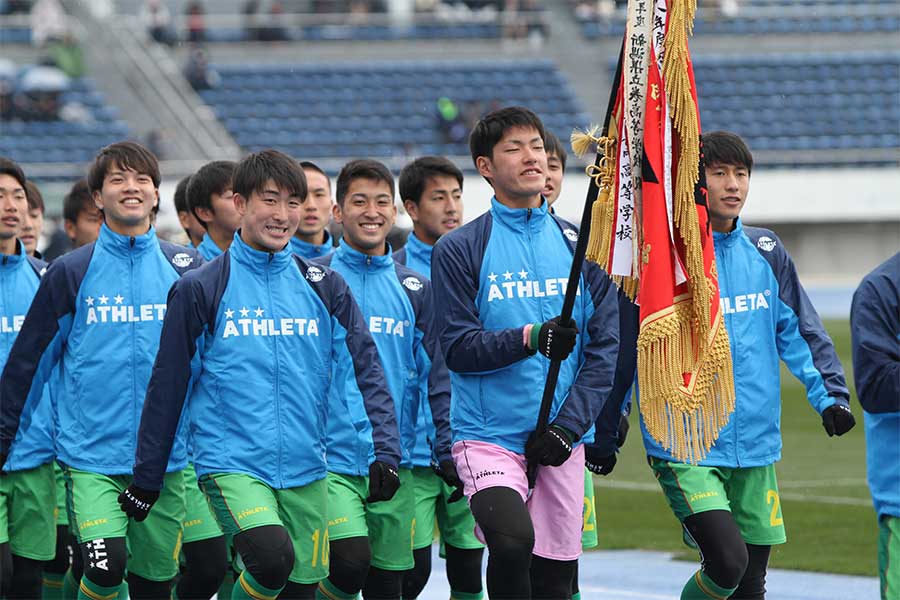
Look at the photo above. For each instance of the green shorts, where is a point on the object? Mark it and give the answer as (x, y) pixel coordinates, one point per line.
(199, 521)
(153, 544)
(28, 512)
(889, 556)
(241, 502)
(749, 493)
(589, 514)
(455, 521)
(62, 514)
(388, 525)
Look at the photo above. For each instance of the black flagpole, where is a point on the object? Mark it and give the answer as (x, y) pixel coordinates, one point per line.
(575, 271)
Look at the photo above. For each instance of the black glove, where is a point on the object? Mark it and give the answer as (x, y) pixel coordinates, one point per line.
(136, 502)
(3, 457)
(597, 463)
(383, 482)
(623, 431)
(837, 419)
(553, 340)
(551, 448)
(446, 470)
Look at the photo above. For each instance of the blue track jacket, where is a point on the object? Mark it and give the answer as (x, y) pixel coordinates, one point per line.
(269, 330)
(208, 248)
(492, 276)
(875, 330)
(97, 314)
(768, 316)
(311, 251)
(19, 279)
(395, 301)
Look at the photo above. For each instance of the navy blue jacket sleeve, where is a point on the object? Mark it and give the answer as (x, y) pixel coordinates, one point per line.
(591, 388)
(370, 379)
(875, 331)
(467, 346)
(190, 305)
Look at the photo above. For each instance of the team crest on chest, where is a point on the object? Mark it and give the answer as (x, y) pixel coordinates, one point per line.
(182, 260)
(315, 274)
(571, 234)
(413, 284)
(765, 243)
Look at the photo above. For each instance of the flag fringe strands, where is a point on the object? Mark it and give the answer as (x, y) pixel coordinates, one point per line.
(650, 231)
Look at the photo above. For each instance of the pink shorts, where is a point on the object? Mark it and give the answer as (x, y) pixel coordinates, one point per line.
(555, 505)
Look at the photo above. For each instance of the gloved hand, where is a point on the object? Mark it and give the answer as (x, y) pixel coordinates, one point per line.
(136, 502)
(551, 448)
(623, 431)
(837, 419)
(383, 482)
(446, 470)
(596, 462)
(553, 340)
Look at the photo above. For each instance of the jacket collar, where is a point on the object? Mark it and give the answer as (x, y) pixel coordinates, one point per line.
(520, 219)
(258, 260)
(729, 239)
(11, 261)
(307, 250)
(126, 244)
(357, 261)
(208, 247)
(416, 248)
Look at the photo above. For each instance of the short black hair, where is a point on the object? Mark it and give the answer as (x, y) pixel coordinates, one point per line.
(490, 129)
(180, 196)
(34, 197)
(415, 175)
(211, 178)
(127, 155)
(726, 148)
(306, 164)
(553, 146)
(75, 202)
(254, 170)
(12, 168)
(363, 168)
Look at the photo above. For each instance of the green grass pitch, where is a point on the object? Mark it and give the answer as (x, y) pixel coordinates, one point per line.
(828, 514)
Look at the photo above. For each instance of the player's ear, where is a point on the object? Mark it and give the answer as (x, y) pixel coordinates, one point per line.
(240, 205)
(484, 166)
(412, 209)
(337, 213)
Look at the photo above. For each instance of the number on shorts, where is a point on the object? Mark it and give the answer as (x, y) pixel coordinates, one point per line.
(586, 515)
(325, 548)
(772, 498)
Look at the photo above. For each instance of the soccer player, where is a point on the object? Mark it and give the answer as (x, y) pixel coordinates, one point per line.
(249, 344)
(33, 221)
(371, 543)
(875, 332)
(499, 283)
(192, 227)
(97, 314)
(312, 238)
(81, 216)
(431, 190)
(728, 504)
(556, 167)
(27, 486)
(211, 199)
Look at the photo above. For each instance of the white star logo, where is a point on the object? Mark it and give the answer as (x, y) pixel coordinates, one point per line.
(89, 300)
(258, 312)
(103, 299)
(492, 277)
(118, 298)
(229, 314)
(244, 312)
(523, 274)
(507, 276)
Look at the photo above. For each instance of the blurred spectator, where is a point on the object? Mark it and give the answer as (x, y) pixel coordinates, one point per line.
(48, 21)
(450, 121)
(157, 19)
(198, 72)
(66, 55)
(6, 100)
(196, 24)
(274, 31)
(251, 25)
(13, 7)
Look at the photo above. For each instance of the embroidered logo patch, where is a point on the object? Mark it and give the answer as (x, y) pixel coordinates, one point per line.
(765, 243)
(571, 234)
(315, 274)
(412, 284)
(182, 260)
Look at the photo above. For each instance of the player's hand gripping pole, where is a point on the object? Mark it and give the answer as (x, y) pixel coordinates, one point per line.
(574, 276)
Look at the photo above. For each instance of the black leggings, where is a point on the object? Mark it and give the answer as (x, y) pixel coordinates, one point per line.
(504, 520)
(348, 564)
(204, 570)
(19, 577)
(60, 562)
(463, 571)
(727, 559)
(268, 554)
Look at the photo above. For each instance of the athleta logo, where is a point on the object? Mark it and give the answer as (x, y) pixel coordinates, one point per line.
(487, 473)
(388, 326)
(571, 234)
(518, 285)
(315, 274)
(259, 326)
(182, 260)
(101, 311)
(11, 324)
(413, 284)
(765, 243)
(97, 555)
(745, 302)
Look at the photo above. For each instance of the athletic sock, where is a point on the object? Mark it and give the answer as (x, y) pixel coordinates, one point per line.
(70, 587)
(247, 588)
(576, 596)
(701, 587)
(224, 592)
(88, 590)
(466, 595)
(328, 591)
(52, 585)
(123, 590)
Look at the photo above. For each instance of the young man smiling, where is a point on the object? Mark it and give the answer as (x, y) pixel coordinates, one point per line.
(499, 285)
(251, 345)
(371, 543)
(98, 315)
(312, 239)
(211, 199)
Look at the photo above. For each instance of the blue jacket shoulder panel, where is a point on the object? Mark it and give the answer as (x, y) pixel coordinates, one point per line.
(182, 258)
(400, 256)
(875, 331)
(38, 265)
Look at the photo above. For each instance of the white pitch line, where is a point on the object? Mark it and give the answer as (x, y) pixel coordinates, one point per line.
(812, 483)
(640, 486)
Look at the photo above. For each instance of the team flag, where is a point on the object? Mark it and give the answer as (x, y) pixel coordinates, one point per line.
(650, 230)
